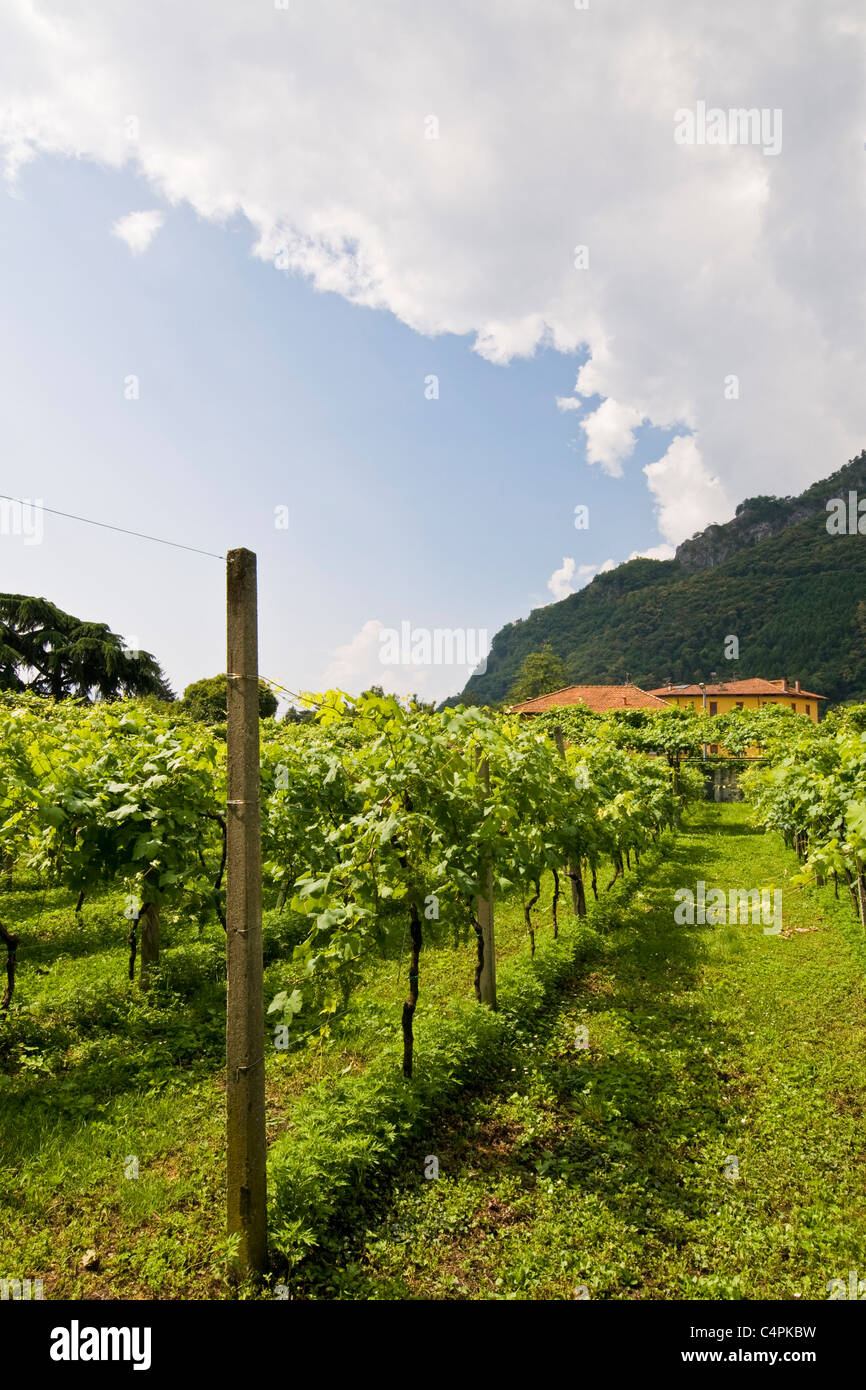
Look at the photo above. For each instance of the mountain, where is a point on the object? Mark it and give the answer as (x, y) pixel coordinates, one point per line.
(791, 593)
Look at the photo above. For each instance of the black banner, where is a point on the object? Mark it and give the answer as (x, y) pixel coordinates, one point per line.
(56, 1341)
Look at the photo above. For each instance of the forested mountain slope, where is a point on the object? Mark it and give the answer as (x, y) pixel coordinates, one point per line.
(793, 594)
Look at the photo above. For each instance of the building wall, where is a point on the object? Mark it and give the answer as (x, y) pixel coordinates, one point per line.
(725, 703)
(723, 784)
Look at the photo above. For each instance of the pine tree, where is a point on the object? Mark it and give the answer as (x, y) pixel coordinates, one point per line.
(49, 652)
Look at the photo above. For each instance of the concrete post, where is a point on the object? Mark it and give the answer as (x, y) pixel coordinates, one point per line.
(245, 1046)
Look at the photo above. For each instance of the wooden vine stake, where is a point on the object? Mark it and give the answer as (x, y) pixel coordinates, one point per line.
(245, 1041)
(148, 935)
(578, 904)
(10, 941)
(487, 974)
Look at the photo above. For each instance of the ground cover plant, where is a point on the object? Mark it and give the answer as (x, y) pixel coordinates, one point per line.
(389, 1113)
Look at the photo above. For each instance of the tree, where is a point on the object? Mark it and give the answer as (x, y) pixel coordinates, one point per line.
(205, 700)
(539, 673)
(294, 715)
(414, 701)
(51, 653)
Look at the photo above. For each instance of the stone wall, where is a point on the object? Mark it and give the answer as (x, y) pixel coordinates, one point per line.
(723, 784)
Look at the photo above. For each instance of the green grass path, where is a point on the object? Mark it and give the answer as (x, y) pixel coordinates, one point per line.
(605, 1166)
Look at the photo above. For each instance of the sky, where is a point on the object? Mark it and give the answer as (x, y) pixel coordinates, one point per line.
(386, 293)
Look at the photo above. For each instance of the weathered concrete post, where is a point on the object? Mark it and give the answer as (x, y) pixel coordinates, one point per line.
(245, 1043)
(487, 982)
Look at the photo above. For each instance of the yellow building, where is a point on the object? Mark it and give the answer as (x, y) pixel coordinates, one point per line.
(724, 696)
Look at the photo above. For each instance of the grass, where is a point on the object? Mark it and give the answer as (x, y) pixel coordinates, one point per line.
(599, 1169)
(93, 1073)
(601, 1172)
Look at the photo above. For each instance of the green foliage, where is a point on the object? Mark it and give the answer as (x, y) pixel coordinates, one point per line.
(205, 700)
(606, 1167)
(377, 815)
(852, 716)
(811, 787)
(112, 792)
(540, 673)
(558, 1167)
(348, 1138)
(384, 812)
(48, 652)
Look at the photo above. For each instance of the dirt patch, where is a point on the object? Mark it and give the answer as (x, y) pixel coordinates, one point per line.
(498, 1214)
(596, 984)
(497, 1139)
(849, 1102)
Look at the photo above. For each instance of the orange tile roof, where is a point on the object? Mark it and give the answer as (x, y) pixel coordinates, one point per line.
(599, 698)
(755, 686)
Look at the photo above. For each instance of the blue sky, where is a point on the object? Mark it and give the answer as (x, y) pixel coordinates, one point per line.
(330, 205)
(256, 390)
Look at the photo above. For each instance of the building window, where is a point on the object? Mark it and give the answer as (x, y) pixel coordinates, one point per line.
(793, 705)
(739, 704)
(714, 706)
(808, 709)
(714, 748)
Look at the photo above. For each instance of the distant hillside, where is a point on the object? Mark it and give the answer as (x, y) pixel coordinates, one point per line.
(793, 595)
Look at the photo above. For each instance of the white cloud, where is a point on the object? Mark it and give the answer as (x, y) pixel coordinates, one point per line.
(561, 582)
(556, 128)
(569, 403)
(366, 660)
(655, 552)
(351, 664)
(687, 497)
(138, 229)
(610, 435)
